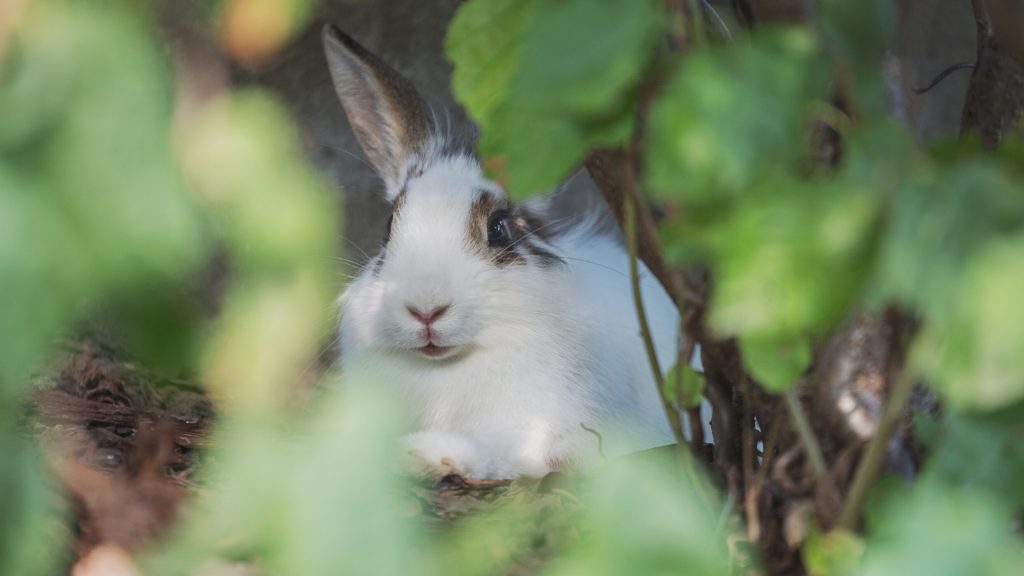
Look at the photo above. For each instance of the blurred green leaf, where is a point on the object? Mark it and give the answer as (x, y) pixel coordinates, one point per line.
(244, 162)
(935, 223)
(792, 257)
(90, 198)
(31, 511)
(316, 496)
(832, 553)
(734, 114)
(993, 446)
(777, 364)
(276, 220)
(938, 530)
(857, 33)
(645, 518)
(974, 352)
(948, 252)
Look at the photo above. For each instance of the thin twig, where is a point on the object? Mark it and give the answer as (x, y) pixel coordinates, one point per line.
(874, 456)
(629, 211)
(806, 435)
(630, 217)
(943, 75)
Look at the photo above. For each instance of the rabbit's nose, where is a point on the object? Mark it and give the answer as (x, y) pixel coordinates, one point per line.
(427, 317)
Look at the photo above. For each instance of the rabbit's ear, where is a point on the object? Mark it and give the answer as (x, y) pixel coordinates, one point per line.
(389, 117)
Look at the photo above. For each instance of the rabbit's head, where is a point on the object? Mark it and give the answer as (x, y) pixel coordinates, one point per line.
(460, 266)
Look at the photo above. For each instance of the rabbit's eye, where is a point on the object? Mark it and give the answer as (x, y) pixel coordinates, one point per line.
(387, 230)
(497, 230)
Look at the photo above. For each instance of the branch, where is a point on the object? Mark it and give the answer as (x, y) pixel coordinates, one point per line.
(806, 435)
(630, 217)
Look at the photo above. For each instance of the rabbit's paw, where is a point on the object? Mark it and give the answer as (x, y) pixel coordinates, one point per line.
(438, 454)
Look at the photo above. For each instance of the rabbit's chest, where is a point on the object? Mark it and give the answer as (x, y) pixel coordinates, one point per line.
(492, 393)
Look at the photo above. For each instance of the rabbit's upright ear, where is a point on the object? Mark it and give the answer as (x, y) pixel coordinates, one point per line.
(387, 114)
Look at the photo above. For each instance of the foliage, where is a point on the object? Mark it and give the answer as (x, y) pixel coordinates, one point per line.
(935, 231)
(111, 191)
(550, 88)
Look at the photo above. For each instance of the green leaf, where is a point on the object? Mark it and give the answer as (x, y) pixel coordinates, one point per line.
(485, 42)
(832, 553)
(32, 510)
(974, 352)
(240, 153)
(580, 56)
(857, 33)
(317, 494)
(939, 530)
(645, 519)
(733, 114)
(563, 83)
(791, 258)
(950, 250)
(935, 223)
(685, 387)
(776, 364)
(90, 198)
(533, 155)
(994, 447)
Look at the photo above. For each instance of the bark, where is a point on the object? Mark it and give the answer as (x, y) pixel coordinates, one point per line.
(995, 96)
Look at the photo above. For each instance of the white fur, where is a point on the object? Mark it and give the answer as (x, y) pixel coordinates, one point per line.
(541, 352)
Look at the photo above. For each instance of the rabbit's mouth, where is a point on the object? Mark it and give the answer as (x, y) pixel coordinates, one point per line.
(434, 351)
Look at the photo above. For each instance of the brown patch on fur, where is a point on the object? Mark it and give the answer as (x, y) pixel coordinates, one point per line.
(396, 206)
(480, 213)
(527, 230)
(535, 231)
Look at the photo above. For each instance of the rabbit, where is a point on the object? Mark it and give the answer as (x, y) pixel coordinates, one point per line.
(514, 338)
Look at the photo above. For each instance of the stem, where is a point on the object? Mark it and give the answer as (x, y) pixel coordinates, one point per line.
(874, 457)
(630, 218)
(806, 434)
(684, 352)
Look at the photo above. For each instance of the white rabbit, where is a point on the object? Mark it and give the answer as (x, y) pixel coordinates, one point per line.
(509, 335)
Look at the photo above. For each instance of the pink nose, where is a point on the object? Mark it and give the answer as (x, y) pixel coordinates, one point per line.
(427, 317)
